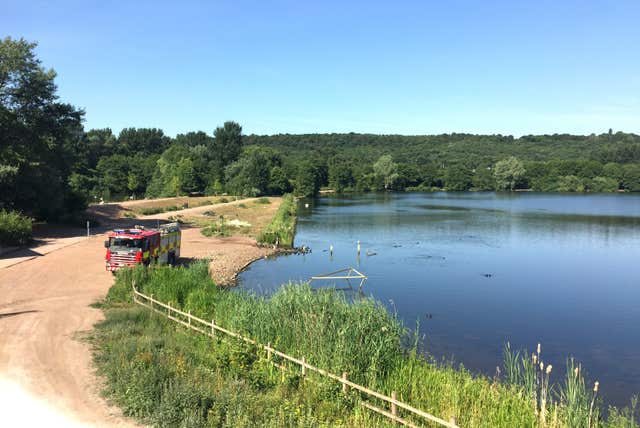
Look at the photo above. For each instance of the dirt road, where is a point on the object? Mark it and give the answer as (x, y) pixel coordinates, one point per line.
(44, 309)
(44, 306)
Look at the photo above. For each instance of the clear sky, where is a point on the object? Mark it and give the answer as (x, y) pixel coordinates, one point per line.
(412, 67)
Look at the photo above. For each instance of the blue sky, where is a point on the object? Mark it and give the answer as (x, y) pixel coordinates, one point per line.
(413, 67)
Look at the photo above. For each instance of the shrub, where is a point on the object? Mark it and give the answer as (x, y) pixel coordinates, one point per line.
(150, 211)
(15, 228)
(219, 230)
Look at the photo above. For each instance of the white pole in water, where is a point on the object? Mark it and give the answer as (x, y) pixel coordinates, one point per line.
(87, 228)
(358, 247)
(331, 249)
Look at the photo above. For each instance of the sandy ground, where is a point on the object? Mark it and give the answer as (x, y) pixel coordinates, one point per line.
(45, 370)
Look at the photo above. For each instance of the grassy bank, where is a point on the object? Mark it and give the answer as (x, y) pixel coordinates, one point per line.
(281, 230)
(137, 351)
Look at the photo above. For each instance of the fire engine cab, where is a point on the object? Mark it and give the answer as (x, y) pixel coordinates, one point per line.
(129, 247)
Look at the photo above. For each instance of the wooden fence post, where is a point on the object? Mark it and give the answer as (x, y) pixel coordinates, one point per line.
(169, 308)
(304, 366)
(151, 301)
(213, 329)
(394, 407)
(345, 387)
(189, 317)
(452, 420)
(269, 351)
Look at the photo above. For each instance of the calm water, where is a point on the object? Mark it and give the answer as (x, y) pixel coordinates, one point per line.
(480, 269)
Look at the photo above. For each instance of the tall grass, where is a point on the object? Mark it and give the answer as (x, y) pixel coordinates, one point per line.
(281, 230)
(362, 338)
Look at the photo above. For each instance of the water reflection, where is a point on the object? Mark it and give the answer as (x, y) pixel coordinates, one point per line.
(478, 269)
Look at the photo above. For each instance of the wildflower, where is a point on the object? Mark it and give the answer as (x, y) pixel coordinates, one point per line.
(534, 358)
(549, 368)
(541, 366)
(595, 386)
(576, 371)
(538, 349)
(384, 328)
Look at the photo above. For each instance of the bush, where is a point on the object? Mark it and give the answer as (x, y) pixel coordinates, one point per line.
(15, 228)
(220, 230)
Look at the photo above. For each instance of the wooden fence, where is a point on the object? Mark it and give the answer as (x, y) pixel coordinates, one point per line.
(210, 328)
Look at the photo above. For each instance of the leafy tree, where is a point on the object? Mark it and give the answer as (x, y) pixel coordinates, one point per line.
(194, 139)
(458, 178)
(340, 174)
(37, 135)
(613, 170)
(278, 181)
(142, 141)
(631, 177)
(508, 172)
(227, 144)
(483, 179)
(113, 173)
(306, 183)
(250, 175)
(570, 183)
(604, 184)
(386, 171)
(186, 176)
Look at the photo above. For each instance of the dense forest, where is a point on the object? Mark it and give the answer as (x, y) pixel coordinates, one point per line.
(50, 166)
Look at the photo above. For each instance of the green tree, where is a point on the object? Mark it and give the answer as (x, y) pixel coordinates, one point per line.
(483, 179)
(386, 171)
(278, 181)
(250, 175)
(631, 177)
(113, 173)
(306, 182)
(142, 141)
(508, 172)
(604, 184)
(570, 183)
(340, 174)
(186, 176)
(458, 178)
(38, 135)
(227, 144)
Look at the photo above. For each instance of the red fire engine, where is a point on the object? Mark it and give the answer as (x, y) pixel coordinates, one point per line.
(129, 247)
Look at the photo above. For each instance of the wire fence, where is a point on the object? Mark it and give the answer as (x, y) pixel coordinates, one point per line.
(211, 329)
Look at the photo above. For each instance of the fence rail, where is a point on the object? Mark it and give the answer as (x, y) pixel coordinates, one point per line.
(210, 328)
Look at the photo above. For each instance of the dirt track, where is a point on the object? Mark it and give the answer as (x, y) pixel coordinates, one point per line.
(44, 307)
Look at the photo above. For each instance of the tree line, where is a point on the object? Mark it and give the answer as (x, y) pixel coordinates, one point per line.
(50, 166)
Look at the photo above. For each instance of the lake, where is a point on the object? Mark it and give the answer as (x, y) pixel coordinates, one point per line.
(479, 269)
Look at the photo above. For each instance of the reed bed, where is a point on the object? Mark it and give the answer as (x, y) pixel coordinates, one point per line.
(360, 337)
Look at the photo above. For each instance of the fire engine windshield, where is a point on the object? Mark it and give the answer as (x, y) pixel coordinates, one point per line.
(125, 242)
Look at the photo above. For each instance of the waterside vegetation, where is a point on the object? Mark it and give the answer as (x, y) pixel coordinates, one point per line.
(281, 230)
(164, 375)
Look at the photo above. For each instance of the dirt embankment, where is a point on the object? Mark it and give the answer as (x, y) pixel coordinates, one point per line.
(45, 308)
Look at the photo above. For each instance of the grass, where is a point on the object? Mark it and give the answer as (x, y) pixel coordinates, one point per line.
(281, 230)
(164, 375)
(360, 337)
(217, 229)
(241, 219)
